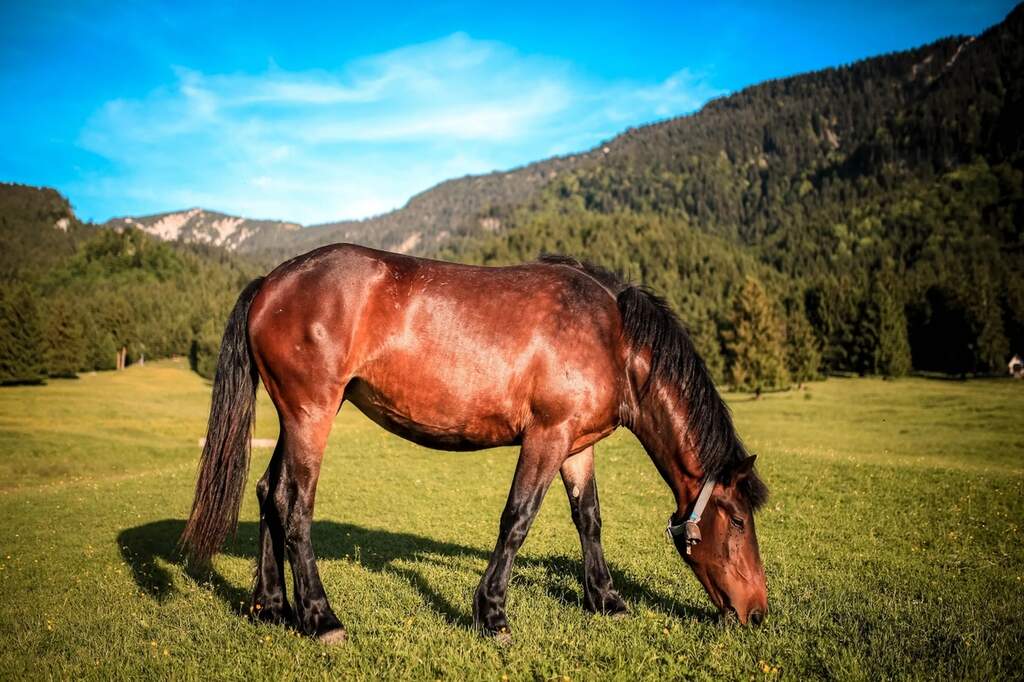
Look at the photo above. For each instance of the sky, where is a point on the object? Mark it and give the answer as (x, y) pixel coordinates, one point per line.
(313, 112)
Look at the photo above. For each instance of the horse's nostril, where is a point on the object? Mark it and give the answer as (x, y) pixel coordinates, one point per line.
(756, 617)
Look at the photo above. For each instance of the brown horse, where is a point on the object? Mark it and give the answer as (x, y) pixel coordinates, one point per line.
(551, 356)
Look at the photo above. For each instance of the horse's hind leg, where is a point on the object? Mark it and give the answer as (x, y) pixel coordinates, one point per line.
(539, 459)
(305, 438)
(599, 596)
(269, 600)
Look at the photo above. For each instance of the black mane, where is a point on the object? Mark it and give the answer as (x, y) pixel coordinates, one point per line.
(649, 322)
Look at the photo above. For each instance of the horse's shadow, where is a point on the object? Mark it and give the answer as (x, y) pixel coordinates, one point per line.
(147, 549)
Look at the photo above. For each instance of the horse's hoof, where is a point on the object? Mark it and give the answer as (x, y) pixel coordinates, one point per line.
(335, 636)
(278, 616)
(616, 608)
(503, 637)
(611, 607)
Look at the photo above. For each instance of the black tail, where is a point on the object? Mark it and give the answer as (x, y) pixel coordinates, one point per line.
(225, 460)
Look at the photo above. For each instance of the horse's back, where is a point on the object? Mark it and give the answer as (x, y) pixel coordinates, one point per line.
(450, 355)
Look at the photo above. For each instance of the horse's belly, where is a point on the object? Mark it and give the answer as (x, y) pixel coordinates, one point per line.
(433, 424)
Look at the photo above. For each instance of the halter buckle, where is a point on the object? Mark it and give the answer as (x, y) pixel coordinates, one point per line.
(689, 529)
(692, 534)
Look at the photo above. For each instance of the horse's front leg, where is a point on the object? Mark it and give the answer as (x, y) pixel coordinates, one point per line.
(541, 455)
(599, 595)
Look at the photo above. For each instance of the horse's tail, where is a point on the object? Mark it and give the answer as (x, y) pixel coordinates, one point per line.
(225, 461)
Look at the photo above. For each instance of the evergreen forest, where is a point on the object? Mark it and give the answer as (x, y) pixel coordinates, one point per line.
(864, 219)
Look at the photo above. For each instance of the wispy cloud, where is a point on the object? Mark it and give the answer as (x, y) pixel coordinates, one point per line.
(315, 146)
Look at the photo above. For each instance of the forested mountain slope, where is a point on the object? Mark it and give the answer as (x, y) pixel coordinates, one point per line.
(75, 297)
(882, 201)
(37, 229)
(864, 218)
(457, 207)
(752, 166)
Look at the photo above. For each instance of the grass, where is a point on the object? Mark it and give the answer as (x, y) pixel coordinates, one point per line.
(892, 544)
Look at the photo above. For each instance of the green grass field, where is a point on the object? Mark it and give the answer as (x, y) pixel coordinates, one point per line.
(892, 544)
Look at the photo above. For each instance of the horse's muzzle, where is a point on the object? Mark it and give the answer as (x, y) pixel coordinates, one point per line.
(755, 616)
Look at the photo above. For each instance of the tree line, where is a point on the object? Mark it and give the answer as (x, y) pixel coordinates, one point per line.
(120, 297)
(865, 219)
(924, 280)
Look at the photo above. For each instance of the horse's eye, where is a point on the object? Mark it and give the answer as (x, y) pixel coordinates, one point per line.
(737, 522)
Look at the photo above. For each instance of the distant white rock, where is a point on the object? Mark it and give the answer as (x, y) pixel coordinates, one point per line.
(199, 226)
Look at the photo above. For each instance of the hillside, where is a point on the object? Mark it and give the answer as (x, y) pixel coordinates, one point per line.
(867, 218)
(77, 298)
(742, 168)
(474, 204)
(453, 208)
(199, 226)
(881, 202)
(37, 228)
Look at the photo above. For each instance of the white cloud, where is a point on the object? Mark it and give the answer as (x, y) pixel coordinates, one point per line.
(316, 146)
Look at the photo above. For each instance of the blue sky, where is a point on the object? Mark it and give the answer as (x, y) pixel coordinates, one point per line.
(319, 112)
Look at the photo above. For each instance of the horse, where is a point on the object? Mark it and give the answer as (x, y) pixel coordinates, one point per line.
(552, 356)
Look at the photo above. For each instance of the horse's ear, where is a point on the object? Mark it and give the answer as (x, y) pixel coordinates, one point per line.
(745, 468)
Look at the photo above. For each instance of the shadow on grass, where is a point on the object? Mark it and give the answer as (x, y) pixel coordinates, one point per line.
(147, 548)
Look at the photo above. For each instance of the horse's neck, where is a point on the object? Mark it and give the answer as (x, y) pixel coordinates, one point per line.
(661, 424)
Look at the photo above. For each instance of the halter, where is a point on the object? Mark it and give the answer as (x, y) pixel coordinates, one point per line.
(689, 528)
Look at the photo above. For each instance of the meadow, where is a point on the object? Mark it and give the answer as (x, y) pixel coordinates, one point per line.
(892, 545)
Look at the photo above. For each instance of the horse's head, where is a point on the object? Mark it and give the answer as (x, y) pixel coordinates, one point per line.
(717, 540)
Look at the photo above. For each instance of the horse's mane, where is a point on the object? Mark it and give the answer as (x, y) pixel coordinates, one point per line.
(649, 322)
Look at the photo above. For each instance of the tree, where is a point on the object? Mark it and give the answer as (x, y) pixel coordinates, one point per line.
(992, 348)
(205, 349)
(755, 341)
(803, 358)
(833, 313)
(704, 335)
(892, 355)
(101, 349)
(64, 345)
(21, 337)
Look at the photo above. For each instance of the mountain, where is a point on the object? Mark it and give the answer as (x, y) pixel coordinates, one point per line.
(453, 208)
(37, 229)
(874, 212)
(781, 146)
(74, 297)
(199, 226)
(881, 202)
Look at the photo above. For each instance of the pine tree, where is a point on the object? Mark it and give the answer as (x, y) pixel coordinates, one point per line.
(892, 355)
(833, 313)
(705, 339)
(992, 348)
(101, 352)
(803, 358)
(205, 350)
(865, 345)
(65, 340)
(21, 337)
(756, 341)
